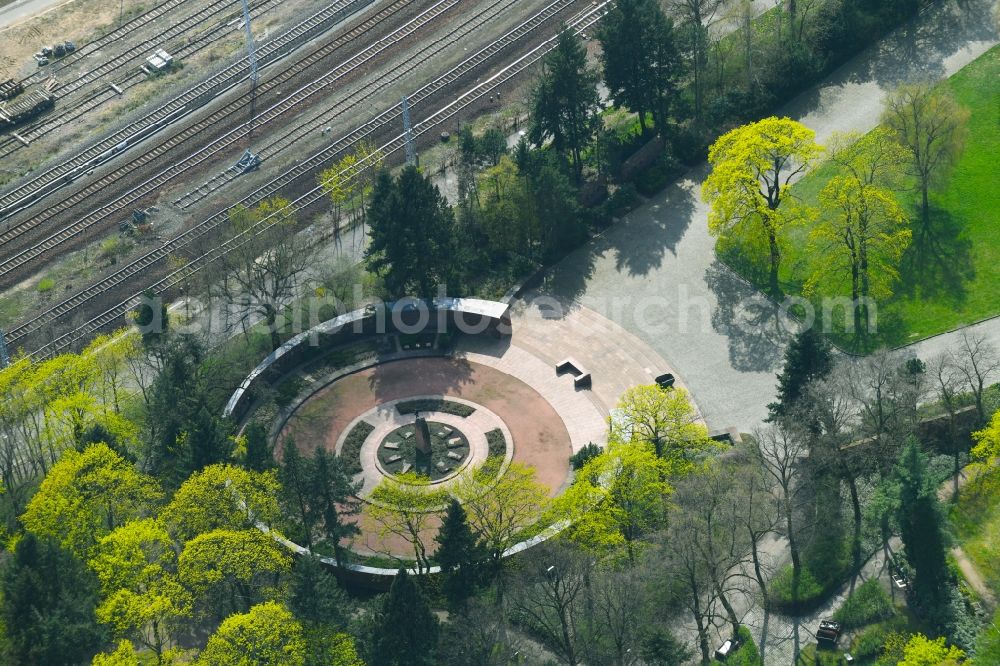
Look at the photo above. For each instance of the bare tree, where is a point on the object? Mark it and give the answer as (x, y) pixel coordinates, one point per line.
(759, 517)
(697, 16)
(682, 561)
(780, 450)
(616, 598)
(946, 382)
(713, 521)
(930, 124)
(829, 405)
(263, 271)
(550, 595)
(977, 362)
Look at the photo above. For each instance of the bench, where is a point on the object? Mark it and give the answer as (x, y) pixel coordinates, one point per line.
(444, 432)
(665, 381)
(406, 468)
(441, 467)
(454, 442)
(569, 365)
(393, 459)
(406, 435)
(581, 378)
(393, 446)
(455, 456)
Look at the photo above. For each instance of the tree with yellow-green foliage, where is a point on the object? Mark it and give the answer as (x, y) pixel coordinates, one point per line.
(922, 651)
(500, 509)
(665, 419)
(349, 181)
(617, 497)
(863, 230)
(87, 495)
(123, 655)
(987, 440)
(266, 635)
(232, 569)
(404, 506)
(752, 169)
(222, 497)
(136, 565)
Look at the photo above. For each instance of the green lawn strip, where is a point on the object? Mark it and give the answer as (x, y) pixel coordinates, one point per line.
(950, 277)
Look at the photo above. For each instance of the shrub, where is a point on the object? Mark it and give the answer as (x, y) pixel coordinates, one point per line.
(497, 443)
(288, 390)
(435, 405)
(867, 604)
(747, 654)
(622, 200)
(580, 458)
(46, 285)
(350, 453)
(655, 177)
(811, 592)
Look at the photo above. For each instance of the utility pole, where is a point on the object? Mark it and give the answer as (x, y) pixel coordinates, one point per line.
(4, 355)
(252, 54)
(411, 152)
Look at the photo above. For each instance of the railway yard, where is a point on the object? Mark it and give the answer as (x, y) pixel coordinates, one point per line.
(329, 80)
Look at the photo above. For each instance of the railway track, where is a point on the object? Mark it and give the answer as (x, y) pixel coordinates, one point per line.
(92, 47)
(17, 335)
(285, 140)
(198, 95)
(95, 98)
(273, 113)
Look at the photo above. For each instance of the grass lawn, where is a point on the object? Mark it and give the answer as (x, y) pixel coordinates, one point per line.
(950, 275)
(976, 519)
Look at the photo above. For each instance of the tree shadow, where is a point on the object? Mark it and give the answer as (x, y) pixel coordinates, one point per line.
(754, 325)
(919, 48)
(641, 239)
(916, 51)
(434, 375)
(938, 262)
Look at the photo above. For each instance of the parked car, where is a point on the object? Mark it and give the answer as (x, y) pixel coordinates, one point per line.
(828, 633)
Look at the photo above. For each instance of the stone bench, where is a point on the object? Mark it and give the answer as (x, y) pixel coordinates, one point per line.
(581, 377)
(393, 446)
(455, 456)
(441, 467)
(444, 432)
(393, 459)
(406, 468)
(665, 381)
(454, 442)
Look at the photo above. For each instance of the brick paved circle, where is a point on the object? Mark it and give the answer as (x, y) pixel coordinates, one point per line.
(539, 436)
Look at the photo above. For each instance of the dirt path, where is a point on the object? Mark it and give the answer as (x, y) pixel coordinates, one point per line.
(973, 578)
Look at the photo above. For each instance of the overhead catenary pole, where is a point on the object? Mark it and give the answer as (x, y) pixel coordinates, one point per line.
(4, 355)
(411, 153)
(252, 55)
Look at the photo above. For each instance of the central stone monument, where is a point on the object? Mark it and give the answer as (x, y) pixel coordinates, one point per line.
(422, 446)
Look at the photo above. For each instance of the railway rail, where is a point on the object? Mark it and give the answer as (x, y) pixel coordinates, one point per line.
(96, 45)
(198, 95)
(135, 76)
(285, 140)
(579, 23)
(355, 63)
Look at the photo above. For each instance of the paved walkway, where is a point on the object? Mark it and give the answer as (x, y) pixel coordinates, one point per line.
(656, 275)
